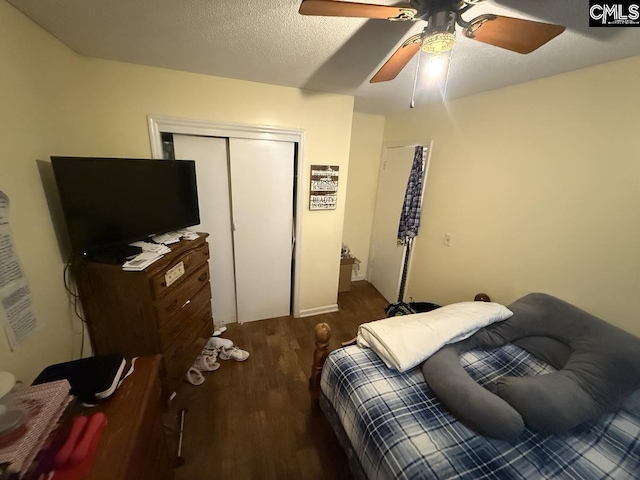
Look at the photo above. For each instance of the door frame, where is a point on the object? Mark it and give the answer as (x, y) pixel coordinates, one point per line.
(159, 123)
(385, 147)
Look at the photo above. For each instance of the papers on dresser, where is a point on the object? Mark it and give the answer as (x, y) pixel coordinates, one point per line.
(174, 237)
(152, 247)
(142, 261)
(187, 234)
(167, 238)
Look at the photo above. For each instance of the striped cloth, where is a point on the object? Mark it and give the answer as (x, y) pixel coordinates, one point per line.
(399, 429)
(409, 223)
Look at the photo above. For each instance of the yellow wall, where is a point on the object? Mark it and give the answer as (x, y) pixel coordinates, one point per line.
(539, 186)
(364, 168)
(58, 103)
(36, 72)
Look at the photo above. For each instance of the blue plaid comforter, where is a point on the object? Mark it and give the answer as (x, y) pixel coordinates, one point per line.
(399, 429)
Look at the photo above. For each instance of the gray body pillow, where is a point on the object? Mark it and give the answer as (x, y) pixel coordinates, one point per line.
(599, 366)
(474, 405)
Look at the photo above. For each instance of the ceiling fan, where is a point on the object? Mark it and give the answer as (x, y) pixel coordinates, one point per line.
(442, 16)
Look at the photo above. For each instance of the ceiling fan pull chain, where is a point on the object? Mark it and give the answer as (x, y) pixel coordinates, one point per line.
(415, 82)
(446, 79)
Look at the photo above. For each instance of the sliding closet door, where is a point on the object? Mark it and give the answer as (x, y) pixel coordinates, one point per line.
(212, 174)
(262, 205)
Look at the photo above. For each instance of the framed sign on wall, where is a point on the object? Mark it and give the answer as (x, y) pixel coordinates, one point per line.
(324, 187)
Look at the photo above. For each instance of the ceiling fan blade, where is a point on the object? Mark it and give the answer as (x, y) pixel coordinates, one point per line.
(398, 60)
(515, 34)
(333, 8)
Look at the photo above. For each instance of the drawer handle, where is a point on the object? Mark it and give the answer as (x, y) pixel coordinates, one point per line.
(203, 276)
(186, 303)
(173, 306)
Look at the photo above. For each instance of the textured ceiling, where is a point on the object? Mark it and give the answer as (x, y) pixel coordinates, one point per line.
(268, 41)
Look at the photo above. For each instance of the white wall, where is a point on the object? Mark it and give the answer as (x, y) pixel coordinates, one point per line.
(58, 103)
(539, 186)
(364, 168)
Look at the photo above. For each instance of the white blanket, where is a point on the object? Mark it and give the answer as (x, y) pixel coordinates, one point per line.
(403, 342)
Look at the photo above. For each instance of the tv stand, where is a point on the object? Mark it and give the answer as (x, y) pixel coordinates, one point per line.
(114, 255)
(149, 312)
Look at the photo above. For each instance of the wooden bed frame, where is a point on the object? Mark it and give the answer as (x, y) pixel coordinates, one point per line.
(322, 334)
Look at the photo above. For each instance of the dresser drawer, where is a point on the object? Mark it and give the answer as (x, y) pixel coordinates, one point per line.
(191, 260)
(181, 296)
(171, 325)
(187, 347)
(150, 458)
(133, 445)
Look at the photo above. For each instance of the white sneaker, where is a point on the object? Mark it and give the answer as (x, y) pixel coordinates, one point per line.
(218, 329)
(234, 353)
(216, 343)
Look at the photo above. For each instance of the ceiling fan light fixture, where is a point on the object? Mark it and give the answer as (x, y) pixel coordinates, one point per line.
(440, 34)
(438, 43)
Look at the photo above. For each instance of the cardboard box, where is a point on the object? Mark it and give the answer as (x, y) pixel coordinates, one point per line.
(346, 267)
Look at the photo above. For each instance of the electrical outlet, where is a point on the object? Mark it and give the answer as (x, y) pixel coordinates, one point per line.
(447, 239)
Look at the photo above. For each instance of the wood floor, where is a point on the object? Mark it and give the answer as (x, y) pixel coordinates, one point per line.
(252, 419)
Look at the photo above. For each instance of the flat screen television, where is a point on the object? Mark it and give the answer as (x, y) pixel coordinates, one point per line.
(110, 202)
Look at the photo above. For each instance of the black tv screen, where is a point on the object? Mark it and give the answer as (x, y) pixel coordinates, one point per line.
(109, 202)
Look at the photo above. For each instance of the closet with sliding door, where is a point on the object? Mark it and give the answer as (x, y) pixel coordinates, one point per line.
(246, 193)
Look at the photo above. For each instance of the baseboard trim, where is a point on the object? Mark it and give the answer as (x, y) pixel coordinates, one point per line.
(310, 312)
(359, 278)
(225, 321)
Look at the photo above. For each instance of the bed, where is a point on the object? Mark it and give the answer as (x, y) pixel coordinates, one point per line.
(393, 426)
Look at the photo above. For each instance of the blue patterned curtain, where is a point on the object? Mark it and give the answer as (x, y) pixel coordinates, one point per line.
(410, 215)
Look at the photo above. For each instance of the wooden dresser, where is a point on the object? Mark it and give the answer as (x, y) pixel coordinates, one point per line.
(133, 444)
(148, 313)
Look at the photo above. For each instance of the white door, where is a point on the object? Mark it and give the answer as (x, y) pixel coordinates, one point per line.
(212, 175)
(262, 205)
(385, 264)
